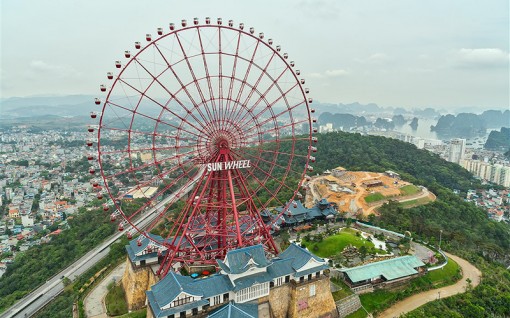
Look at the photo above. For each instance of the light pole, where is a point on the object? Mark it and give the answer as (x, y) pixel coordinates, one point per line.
(440, 234)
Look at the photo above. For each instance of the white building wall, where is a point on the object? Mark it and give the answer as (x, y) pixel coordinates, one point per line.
(457, 150)
(253, 292)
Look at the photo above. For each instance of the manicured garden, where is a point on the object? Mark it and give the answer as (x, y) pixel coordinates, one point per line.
(331, 245)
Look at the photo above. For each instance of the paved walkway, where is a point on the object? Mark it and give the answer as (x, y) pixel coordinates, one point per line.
(94, 302)
(415, 301)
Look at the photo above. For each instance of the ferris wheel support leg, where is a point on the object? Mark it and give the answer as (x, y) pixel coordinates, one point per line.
(234, 207)
(183, 227)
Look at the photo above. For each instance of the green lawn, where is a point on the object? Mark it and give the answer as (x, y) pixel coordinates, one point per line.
(360, 313)
(116, 301)
(336, 243)
(374, 197)
(445, 274)
(409, 190)
(343, 292)
(416, 202)
(377, 300)
(142, 313)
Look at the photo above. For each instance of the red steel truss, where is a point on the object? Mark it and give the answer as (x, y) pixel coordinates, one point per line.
(203, 128)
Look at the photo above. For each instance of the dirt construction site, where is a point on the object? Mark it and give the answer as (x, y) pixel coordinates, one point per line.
(361, 192)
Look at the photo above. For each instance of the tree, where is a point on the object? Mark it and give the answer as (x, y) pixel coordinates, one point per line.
(363, 251)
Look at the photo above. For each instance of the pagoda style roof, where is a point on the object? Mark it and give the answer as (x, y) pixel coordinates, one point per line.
(238, 261)
(297, 213)
(299, 256)
(233, 310)
(237, 274)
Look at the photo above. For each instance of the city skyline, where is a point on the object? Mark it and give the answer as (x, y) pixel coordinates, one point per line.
(398, 53)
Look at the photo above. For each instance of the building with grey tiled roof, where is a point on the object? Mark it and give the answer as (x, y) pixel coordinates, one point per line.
(297, 213)
(245, 278)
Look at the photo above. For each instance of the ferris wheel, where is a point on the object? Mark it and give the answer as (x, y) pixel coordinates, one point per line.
(203, 127)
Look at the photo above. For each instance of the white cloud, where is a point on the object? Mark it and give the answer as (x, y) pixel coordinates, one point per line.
(40, 67)
(329, 74)
(336, 73)
(485, 57)
(376, 58)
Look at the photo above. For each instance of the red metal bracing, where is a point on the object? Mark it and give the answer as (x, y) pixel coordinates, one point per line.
(204, 127)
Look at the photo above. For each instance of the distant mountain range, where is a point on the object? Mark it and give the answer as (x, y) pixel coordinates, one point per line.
(48, 109)
(73, 105)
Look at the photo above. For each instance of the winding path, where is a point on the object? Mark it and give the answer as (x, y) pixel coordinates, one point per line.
(415, 301)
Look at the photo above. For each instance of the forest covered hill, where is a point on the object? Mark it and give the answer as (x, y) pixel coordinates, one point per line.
(466, 229)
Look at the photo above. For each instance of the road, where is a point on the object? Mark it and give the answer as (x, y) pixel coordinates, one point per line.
(33, 302)
(415, 301)
(424, 194)
(93, 302)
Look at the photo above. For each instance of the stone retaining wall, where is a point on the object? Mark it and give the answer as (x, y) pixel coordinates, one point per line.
(135, 282)
(348, 305)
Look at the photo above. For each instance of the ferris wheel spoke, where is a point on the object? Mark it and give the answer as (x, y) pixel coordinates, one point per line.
(164, 106)
(111, 152)
(144, 166)
(272, 163)
(199, 90)
(244, 81)
(157, 120)
(116, 119)
(232, 77)
(172, 95)
(272, 130)
(254, 89)
(243, 188)
(262, 96)
(183, 86)
(220, 81)
(177, 196)
(262, 185)
(208, 77)
(270, 108)
(273, 116)
(276, 152)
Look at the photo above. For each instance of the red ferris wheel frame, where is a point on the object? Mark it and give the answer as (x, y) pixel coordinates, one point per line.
(212, 115)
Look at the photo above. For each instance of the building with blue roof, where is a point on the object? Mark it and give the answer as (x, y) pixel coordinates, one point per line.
(233, 310)
(383, 273)
(296, 213)
(246, 278)
(143, 251)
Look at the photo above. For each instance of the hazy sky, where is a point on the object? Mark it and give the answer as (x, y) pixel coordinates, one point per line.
(409, 53)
